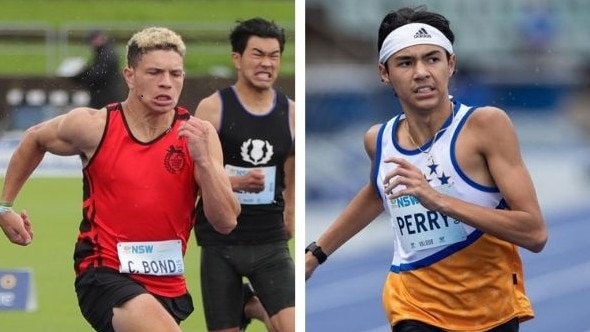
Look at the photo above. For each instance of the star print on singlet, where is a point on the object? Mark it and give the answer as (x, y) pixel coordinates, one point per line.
(435, 174)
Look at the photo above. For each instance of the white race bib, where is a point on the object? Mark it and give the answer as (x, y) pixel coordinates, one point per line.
(160, 258)
(419, 228)
(266, 196)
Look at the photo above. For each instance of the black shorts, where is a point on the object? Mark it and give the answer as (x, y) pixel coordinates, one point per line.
(268, 267)
(416, 326)
(102, 289)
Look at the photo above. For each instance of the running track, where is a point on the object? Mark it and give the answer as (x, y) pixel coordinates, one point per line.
(345, 293)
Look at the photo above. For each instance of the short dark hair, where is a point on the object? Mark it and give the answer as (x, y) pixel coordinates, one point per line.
(259, 27)
(403, 16)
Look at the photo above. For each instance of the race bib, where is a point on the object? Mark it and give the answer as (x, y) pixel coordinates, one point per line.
(159, 258)
(266, 196)
(419, 228)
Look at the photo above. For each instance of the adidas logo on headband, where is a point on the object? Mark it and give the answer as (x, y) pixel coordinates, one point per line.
(413, 34)
(422, 33)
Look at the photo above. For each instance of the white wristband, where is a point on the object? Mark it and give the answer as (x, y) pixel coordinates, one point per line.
(5, 209)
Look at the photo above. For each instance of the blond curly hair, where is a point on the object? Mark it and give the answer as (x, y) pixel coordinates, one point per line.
(153, 38)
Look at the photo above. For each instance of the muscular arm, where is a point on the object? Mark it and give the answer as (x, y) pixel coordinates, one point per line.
(209, 109)
(523, 223)
(69, 134)
(219, 202)
(65, 135)
(360, 212)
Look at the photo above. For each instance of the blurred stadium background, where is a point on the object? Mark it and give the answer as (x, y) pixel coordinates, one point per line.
(35, 37)
(530, 58)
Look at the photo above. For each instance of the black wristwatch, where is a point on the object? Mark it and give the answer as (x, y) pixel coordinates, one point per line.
(317, 251)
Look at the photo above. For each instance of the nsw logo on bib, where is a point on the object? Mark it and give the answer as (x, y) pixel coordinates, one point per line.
(418, 228)
(158, 258)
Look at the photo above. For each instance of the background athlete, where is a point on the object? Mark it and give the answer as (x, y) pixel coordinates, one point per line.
(256, 128)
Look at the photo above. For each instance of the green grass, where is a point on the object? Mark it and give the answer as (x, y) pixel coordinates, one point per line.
(54, 205)
(56, 12)
(198, 20)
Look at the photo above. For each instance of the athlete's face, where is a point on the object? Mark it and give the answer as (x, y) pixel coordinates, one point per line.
(157, 79)
(419, 75)
(259, 65)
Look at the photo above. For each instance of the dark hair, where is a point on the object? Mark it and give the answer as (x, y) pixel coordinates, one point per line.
(403, 16)
(259, 27)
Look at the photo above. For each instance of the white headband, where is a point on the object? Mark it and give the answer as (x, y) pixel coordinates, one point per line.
(412, 34)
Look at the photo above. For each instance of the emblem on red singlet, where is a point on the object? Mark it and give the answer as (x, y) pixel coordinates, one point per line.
(174, 160)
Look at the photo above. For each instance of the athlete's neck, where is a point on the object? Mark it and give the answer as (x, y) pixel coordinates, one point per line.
(146, 124)
(424, 125)
(255, 100)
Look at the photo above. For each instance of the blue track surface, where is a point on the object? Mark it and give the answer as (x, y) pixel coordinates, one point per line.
(345, 293)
